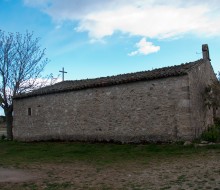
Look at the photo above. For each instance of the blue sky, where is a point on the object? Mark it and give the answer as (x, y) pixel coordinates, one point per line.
(95, 38)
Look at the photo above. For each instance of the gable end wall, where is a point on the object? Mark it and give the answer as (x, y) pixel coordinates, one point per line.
(199, 78)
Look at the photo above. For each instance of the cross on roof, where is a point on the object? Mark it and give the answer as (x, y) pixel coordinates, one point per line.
(63, 72)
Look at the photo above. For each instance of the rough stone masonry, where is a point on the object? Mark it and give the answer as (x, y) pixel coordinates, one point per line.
(162, 105)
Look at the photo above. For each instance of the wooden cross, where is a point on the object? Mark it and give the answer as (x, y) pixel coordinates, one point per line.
(63, 72)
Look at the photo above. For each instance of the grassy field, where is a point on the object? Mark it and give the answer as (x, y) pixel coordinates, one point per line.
(16, 153)
(71, 165)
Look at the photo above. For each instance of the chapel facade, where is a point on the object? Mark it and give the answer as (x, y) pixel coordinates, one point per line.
(160, 105)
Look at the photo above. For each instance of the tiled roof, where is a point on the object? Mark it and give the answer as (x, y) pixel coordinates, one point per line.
(66, 86)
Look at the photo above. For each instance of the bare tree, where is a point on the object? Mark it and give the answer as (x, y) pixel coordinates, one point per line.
(21, 64)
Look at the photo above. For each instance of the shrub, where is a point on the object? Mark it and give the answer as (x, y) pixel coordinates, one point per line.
(212, 134)
(217, 121)
(3, 137)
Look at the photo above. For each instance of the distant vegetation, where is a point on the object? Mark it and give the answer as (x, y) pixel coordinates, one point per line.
(212, 100)
(212, 96)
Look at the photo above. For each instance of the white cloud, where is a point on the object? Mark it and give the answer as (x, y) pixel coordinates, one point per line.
(144, 48)
(158, 19)
(147, 18)
(34, 84)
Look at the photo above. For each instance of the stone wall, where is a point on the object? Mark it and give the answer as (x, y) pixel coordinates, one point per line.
(199, 78)
(155, 110)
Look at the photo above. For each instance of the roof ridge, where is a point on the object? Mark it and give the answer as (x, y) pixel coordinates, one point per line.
(138, 72)
(71, 85)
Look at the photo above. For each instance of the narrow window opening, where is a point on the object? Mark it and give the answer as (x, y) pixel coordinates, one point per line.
(29, 111)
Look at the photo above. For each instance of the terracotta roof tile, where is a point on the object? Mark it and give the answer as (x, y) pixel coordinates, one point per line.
(65, 86)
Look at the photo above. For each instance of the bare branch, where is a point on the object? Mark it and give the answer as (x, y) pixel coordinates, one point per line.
(21, 64)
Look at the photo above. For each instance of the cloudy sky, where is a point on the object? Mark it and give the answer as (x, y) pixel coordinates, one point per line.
(94, 38)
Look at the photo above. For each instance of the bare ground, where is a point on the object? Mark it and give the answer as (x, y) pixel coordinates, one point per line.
(192, 172)
(16, 176)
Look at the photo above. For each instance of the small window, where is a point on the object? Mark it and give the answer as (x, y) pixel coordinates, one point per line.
(29, 111)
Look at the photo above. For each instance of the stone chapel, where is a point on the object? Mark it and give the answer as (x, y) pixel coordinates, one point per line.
(160, 105)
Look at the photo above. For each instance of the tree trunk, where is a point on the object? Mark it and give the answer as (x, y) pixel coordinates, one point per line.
(9, 121)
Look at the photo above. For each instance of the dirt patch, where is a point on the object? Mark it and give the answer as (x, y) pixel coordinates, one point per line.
(15, 175)
(180, 173)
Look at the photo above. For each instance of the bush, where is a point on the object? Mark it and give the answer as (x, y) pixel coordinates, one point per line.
(212, 134)
(3, 137)
(217, 121)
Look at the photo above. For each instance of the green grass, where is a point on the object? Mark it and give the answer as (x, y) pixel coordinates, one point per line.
(15, 153)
